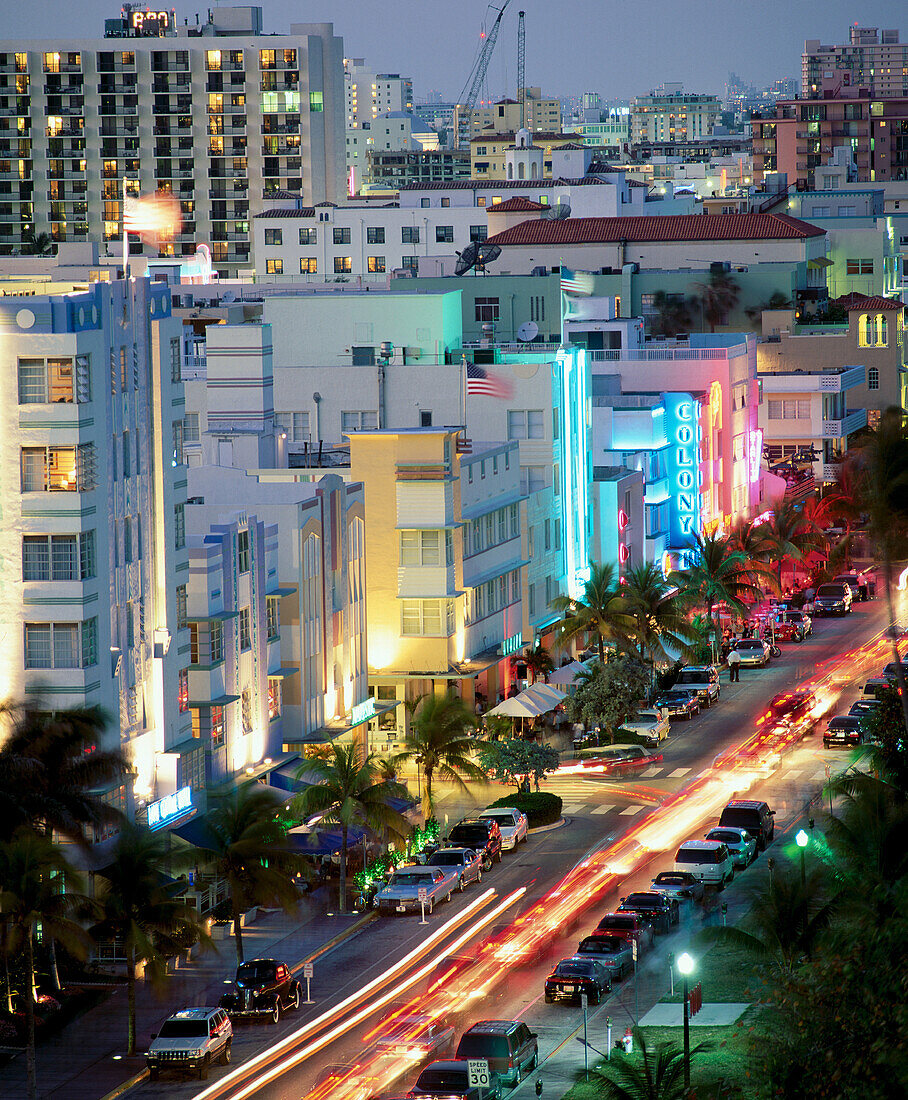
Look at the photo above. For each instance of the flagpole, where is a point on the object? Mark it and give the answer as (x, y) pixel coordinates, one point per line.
(125, 234)
(463, 391)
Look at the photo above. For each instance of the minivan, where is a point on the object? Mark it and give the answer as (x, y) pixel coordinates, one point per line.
(833, 599)
(709, 860)
(755, 817)
(507, 1045)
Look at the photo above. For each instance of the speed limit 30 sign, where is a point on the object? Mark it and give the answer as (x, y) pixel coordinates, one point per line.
(478, 1071)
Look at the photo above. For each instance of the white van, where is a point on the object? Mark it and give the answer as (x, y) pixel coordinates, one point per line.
(710, 861)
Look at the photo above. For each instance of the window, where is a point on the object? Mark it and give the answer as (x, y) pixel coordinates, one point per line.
(308, 236)
(376, 265)
(343, 265)
(859, 267)
(502, 525)
(61, 645)
(444, 234)
(242, 551)
(179, 526)
(191, 433)
(294, 424)
(532, 479)
(489, 524)
(525, 424)
(177, 429)
(274, 267)
(273, 605)
(537, 308)
(514, 521)
(424, 547)
(485, 309)
(480, 199)
(274, 699)
(341, 235)
(308, 265)
(531, 598)
(847, 211)
(206, 642)
(820, 212)
(87, 556)
(51, 381)
(873, 378)
(548, 534)
(175, 361)
(58, 557)
(316, 102)
(788, 409)
(476, 529)
(245, 629)
(427, 618)
(375, 234)
(274, 236)
(409, 263)
(445, 201)
(217, 726)
(127, 539)
(353, 421)
(182, 606)
(409, 234)
(58, 469)
(425, 421)
(478, 233)
(127, 458)
(183, 689)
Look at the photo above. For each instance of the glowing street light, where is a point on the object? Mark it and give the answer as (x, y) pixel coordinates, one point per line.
(802, 840)
(686, 966)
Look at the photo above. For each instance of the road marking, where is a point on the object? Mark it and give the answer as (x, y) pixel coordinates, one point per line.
(678, 773)
(603, 809)
(632, 810)
(651, 772)
(573, 808)
(821, 774)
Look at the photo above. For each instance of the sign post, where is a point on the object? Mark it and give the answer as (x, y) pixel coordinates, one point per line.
(608, 1037)
(423, 894)
(584, 1003)
(307, 974)
(478, 1074)
(636, 985)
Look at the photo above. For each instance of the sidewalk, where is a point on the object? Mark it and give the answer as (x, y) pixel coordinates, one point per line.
(86, 1059)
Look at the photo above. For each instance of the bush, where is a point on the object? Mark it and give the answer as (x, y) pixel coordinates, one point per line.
(540, 807)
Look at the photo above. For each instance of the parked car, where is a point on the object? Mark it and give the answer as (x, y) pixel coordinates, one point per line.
(620, 760)
(678, 703)
(613, 952)
(482, 834)
(890, 673)
(512, 823)
(189, 1041)
(417, 1037)
(864, 706)
(754, 652)
(709, 860)
(875, 687)
(859, 583)
(661, 911)
(740, 843)
(464, 861)
(628, 926)
(754, 816)
(263, 988)
(843, 732)
(652, 723)
(704, 679)
(508, 1046)
(401, 895)
(800, 617)
(834, 598)
(576, 975)
(452, 1080)
(678, 884)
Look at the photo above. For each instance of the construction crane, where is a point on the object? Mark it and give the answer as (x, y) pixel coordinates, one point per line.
(478, 75)
(521, 68)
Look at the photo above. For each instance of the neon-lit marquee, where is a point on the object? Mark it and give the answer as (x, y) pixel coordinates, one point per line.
(362, 711)
(682, 425)
(169, 808)
(756, 453)
(572, 395)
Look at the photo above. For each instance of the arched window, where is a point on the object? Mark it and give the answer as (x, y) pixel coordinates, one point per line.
(510, 171)
(873, 378)
(882, 330)
(521, 170)
(865, 334)
(533, 170)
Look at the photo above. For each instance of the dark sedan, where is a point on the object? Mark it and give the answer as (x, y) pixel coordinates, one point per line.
(679, 704)
(661, 911)
(577, 975)
(843, 732)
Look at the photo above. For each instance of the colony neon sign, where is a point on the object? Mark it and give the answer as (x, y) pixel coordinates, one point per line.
(682, 425)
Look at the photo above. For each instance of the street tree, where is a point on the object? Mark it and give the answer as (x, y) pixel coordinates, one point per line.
(608, 694)
(661, 630)
(539, 663)
(717, 573)
(718, 297)
(517, 761)
(599, 611)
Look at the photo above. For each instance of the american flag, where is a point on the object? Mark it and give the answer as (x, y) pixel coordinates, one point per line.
(154, 217)
(486, 383)
(576, 282)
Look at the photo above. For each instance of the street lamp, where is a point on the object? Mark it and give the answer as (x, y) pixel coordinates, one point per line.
(686, 967)
(802, 839)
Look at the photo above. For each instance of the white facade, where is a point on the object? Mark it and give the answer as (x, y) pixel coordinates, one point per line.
(673, 116)
(369, 94)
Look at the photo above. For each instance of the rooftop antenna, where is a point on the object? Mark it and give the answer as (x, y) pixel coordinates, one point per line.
(521, 69)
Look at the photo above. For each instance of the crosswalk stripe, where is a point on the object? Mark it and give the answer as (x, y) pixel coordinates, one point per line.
(631, 810)
(651, 772)
(602, 809)
(572, 808)
(678, 773)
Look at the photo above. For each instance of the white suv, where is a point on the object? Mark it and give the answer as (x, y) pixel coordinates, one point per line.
(191, 1040)
(511, 821)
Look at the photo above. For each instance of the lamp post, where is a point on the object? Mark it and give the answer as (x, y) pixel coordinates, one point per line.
(686, 967)
(801, 839)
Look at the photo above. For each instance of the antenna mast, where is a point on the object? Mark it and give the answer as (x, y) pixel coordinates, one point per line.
(521, 69)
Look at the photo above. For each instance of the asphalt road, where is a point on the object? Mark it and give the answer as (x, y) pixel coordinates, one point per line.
(596, 810)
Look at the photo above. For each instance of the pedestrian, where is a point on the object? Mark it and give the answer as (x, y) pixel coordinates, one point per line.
(734, 667)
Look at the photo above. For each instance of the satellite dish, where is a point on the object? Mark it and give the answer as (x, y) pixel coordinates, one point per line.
(228, 296)
(487, 254)
(466, 259)
(528, 331)
(558, 212)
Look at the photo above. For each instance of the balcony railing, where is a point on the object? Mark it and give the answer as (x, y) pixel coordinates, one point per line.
(838, 429)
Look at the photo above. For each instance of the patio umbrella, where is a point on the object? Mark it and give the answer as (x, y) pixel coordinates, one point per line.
(547, 696)
(566, 675)
(520, 706)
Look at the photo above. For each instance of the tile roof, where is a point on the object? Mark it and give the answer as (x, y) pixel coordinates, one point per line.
(669, 227)
(502, 185)
(870, 302)
(517, 203)
(288, 212)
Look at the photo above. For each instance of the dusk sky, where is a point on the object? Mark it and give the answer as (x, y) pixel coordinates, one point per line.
(573, 46)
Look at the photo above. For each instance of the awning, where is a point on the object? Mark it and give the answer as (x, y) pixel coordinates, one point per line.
(196, 832)
(567, 674)
(821, 262)
(284, 777)
(221, 701)
(518, 707)
(546, 693)
(217, 617)
(283, 672)
(284, 590)
(330, 733)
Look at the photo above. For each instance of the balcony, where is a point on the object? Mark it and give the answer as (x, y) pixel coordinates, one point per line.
(65, 132)
(830, 471)
(853, 421)
(118, 88)
(281, 151)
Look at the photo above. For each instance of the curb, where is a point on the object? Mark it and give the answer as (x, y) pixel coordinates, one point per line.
(548, 828)
(330, 945)
(137, 1079)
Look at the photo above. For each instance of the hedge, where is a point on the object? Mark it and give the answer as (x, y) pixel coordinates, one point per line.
(540, 807)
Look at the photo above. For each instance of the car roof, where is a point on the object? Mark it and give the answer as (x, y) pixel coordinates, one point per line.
(501, 1027)
(490, 810)
(730, 829)
(707, 845)
(744, 804)
(448, 1063)
(194, 1013)
(439, 851)
(842, 720)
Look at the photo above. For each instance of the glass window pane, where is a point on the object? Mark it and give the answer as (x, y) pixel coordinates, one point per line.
(37, 645)
(432, 617)
(33, 464)
(60, 380)
(409, 548)
(35, 558)
(32, 382)
(64, 558)
(534, 424)
(66, 640)
(431, 553)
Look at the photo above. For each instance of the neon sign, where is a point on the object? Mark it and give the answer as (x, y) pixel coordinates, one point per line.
(169, 808)
(756, 453)
(682, 424)
(572, 395)
(512, 644)
(362, 711)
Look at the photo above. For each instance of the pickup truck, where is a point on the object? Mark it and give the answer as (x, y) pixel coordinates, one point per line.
(648, 723)
(401, 895)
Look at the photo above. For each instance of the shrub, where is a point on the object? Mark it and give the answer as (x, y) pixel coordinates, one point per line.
(540, 807)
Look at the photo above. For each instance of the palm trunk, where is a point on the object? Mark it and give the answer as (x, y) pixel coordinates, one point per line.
(342, 893)
(52, 943)
(893, 635)
(130, 999)
(6, 973)
(601, 650)
(427, 806)
(31, 1068)
(237, 931)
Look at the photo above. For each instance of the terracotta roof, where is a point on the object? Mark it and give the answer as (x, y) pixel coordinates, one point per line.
(517, 203)
(670, 227)
(509, 135)
(283, 194)
(568, 145)
(291, 212)
(501, 185)
(869, 302)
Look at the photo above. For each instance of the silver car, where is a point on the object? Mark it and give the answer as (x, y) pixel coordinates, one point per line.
(753, 652)
(740, 843)
(466, 862)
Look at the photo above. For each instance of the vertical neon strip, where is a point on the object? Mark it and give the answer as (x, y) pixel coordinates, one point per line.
(575, 465)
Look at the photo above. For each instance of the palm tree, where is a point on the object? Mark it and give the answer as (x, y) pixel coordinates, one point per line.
(539, 663)
(439, 742)
(600, 611)
(671, 316)
(32, 245)
(657, 1075)
(717, 573)
(718, 297)
(250, 851)
(32, 869)
(790, 535)
(749, 538)
(348, 790)
(662, 629)
(868, 838)
(140, 911)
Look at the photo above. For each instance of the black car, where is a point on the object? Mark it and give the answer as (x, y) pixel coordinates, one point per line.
(662, 912)
(263, 987)
(482, 834)
(451, 1079)
(679, 704)
(843, 732)
(577, 975)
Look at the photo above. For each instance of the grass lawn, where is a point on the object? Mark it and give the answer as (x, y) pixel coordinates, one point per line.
(727, 974)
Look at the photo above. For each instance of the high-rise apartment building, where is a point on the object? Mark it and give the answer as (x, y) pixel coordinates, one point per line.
(670, 114)
(219, 115)
(368, 94)
(872, 59)
(542, 115)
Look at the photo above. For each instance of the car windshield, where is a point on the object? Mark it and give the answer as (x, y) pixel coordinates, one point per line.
(693, 678)
(669, 879)
(725, 836)
(749, 643)
(183, 1029)
(479, 1045)
(837, 590)
(447, 859)
(574, 966)
(601, 945)
(443, 1080)
(618, 922)
(502, 819)
(642, 899)
(470, 832)
(412, 878)
(252, 972)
